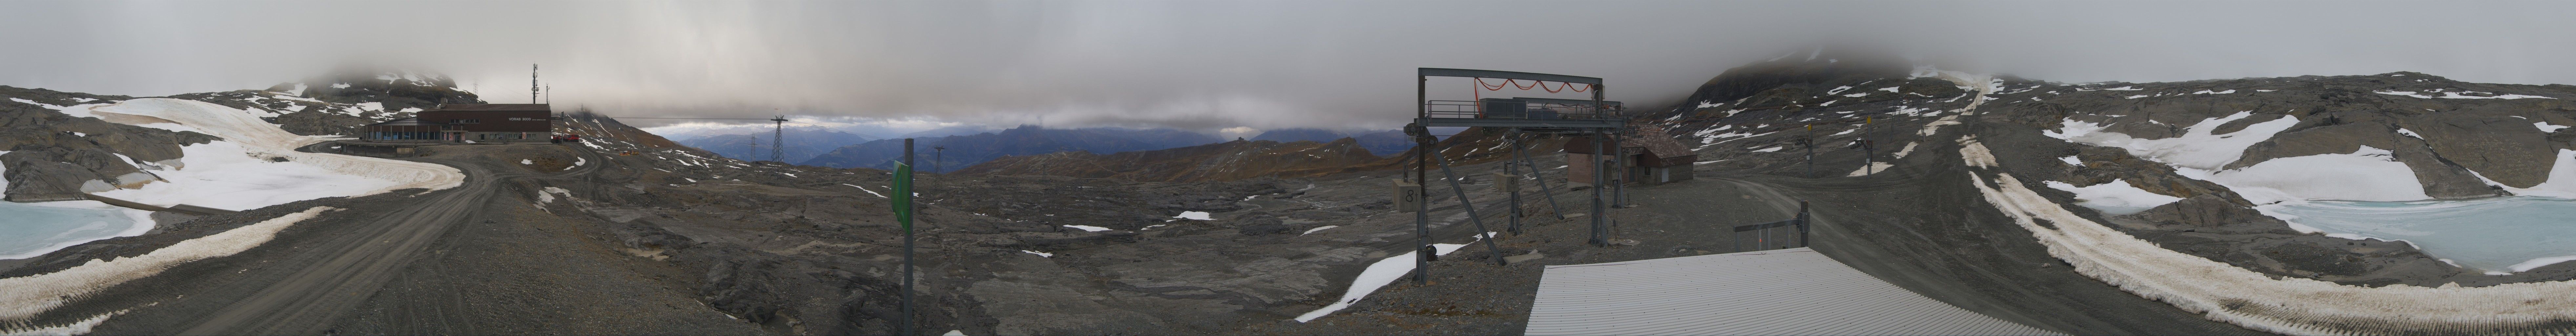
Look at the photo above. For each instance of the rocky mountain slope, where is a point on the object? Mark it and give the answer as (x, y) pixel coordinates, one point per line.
(964, 150)
(1377, 142)
(2068, 160)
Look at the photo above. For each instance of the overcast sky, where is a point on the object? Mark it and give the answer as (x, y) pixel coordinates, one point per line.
(1215, 65)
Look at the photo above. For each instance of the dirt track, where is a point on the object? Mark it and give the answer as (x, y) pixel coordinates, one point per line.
(396, 271)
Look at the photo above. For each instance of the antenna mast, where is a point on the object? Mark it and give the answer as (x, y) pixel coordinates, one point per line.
(532, 83)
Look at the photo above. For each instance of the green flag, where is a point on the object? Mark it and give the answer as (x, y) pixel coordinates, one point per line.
(903, 195)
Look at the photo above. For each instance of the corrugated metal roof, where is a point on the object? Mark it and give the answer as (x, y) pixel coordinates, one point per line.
(491, 107)
(1778, 292)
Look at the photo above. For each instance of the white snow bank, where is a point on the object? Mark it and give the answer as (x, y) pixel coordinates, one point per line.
(1198, 215)
(1772, 149)
(2366, 174)
(239, 172)
(228, 175)
(870, 192)
(2114, 198)
(2545, 127)
(1385, 271)
(24, 297)
(2288, 305)
(1087, 228)
(2196, 148)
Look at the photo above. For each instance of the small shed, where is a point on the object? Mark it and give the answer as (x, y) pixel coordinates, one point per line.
(1652, 158)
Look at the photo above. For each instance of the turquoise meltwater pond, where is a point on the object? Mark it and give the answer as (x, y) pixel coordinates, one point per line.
(2504, 234)
(32, 229)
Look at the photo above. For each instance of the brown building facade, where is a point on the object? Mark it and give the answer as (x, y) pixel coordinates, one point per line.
(471, 122)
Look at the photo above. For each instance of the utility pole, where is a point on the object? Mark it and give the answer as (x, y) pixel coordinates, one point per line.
(1868, 148)
(903, 196)
(778, 144)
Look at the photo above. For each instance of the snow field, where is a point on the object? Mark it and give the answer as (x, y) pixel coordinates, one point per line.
(2287, 305)
(2366, 174)
(24, 297)
(242, 161)
(2196, 148)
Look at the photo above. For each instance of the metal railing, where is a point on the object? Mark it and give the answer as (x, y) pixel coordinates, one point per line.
(1515, 110)
(1787, 233)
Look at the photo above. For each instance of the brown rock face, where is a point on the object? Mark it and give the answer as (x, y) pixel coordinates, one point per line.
(2506, 149)
(2211, 213)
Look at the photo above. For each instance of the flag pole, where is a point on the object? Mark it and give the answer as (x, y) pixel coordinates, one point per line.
(903, 213)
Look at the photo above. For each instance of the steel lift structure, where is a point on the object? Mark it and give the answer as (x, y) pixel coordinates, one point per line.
(1520, 117)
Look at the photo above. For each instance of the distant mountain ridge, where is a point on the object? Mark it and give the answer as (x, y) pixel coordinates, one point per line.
(965, 150)
(802, 144)
(1378, 142)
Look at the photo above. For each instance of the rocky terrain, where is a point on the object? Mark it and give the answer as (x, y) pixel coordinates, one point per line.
(1970, 189)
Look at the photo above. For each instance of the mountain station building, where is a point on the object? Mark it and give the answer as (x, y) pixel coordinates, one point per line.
(1652, 159)
(470, 122)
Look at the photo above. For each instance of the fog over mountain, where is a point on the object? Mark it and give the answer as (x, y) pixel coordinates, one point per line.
(1208, 66)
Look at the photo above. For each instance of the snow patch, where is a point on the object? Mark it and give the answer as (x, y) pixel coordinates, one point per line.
(2366, 174)
(1087, 228)
(1385, 271)
(1198, 215)
(1318, 228)
(2196, 148)
(1041, 254)
(2114, 198)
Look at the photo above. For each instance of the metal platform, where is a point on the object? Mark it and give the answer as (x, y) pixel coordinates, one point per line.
(1534, 115)
(1778, 292)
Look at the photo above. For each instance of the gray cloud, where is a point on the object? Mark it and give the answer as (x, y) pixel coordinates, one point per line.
(1213, 65)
